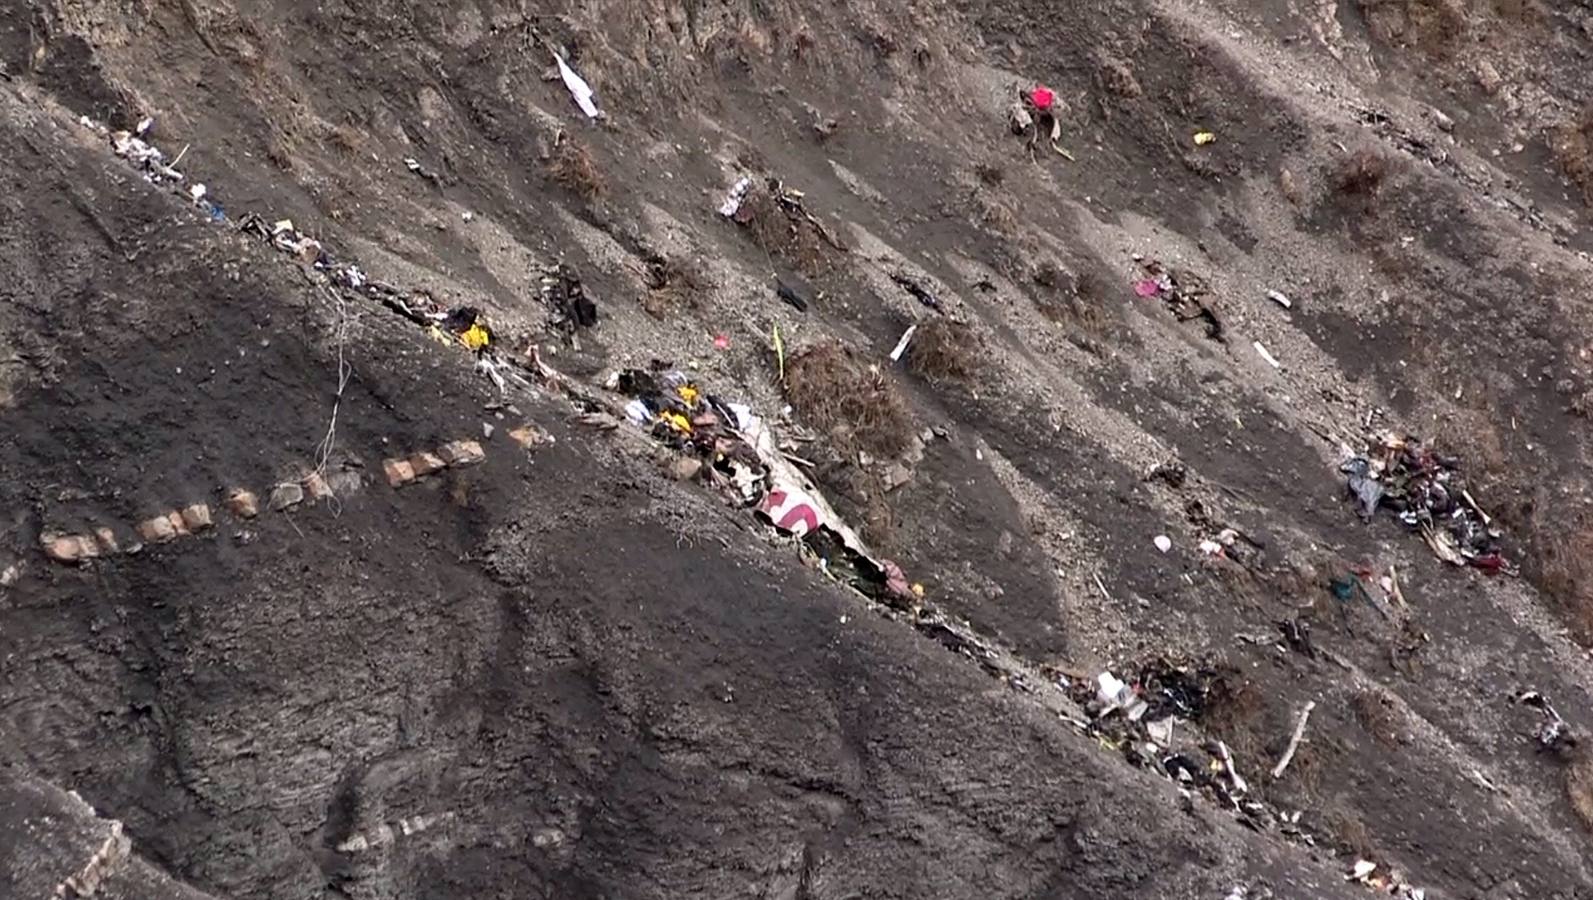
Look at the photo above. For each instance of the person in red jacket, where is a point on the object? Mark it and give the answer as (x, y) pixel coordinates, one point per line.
(1042, 104)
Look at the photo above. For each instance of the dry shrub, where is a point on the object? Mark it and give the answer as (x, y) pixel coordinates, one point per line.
(995, 215)
(1377, 716)
(879, 518)
(279, 150)
(857, 404)
(1579, 787)
(1361, 174)
(1562, 568)
(1073, 300)
(1572, 144)
(781, 235)
(1235, 714)
(944, 349)
(570, 165)
(1118, 78)
(990, 175)
(1518, 10)
(346, 139)
(1432, 26)
(674, 284)
(1348, 833)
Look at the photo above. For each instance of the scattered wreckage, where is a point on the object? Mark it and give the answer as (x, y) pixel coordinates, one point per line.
(1554, 735)
(1141, 718)
(1183, 294)
(1426, 492)
(739, 457)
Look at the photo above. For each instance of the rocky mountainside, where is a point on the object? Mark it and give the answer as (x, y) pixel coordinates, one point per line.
(790, 482)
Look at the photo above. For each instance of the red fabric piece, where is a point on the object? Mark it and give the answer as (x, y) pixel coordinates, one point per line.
(1042, 97)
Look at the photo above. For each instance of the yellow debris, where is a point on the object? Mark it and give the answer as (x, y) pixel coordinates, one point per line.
(475, 337)
(676, 421)
(689, 393)
(438, 335)
(918, 590)
(1202, 138)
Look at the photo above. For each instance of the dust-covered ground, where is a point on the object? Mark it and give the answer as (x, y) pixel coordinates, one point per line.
(567, 671)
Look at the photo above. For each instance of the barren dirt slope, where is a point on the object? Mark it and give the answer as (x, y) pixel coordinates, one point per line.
(564, 664)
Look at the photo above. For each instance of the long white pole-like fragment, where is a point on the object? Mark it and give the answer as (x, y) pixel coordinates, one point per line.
(1294, 740)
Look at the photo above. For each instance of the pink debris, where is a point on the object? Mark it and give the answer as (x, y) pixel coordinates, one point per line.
(1147, 287)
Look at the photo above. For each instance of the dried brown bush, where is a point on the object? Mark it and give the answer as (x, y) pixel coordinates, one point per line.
(674, 284)
(1074, 300)
(944, 349)
(346, 139)
(1377, 716)
(1118, 79)
(1236, 714)
(857, 404)
(1348, 833)
(1579, 787)
(1431, 26)
(570, 165)
(1361, 174)
(779, 234)
(1572, 144)
(1562, 568)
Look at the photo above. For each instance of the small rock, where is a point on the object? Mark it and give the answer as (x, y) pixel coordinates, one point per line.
(10, 575)
(601, 421)
(196, 517)
(286, 496)
(344, 482)
(1163, 543)
(897, 475)
(530, 436)
(68, 548)
(315, 486)
(486, 430)
(243, 504)
(157, 530)
(462, 453)
(685, 468)
(178, 526)
(423, 464)
(107, 541)
(399, 472)
(1488, 77)
(914, 454)
(1443, 121)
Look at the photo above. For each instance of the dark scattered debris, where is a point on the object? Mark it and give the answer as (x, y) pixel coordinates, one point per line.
(1554, 734)
(1427, 492)
(1182, 293)
(793, 293)
(1171, 473)
(1297, 634)
(568, 307)
(1142, 717)
(915, 288)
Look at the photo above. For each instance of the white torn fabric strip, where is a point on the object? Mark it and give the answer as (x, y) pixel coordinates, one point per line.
(579, 89)
(732, 204)
(901, 345)
(1268, 356)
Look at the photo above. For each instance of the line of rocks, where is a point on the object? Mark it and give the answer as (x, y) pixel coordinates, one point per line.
(197, 518)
